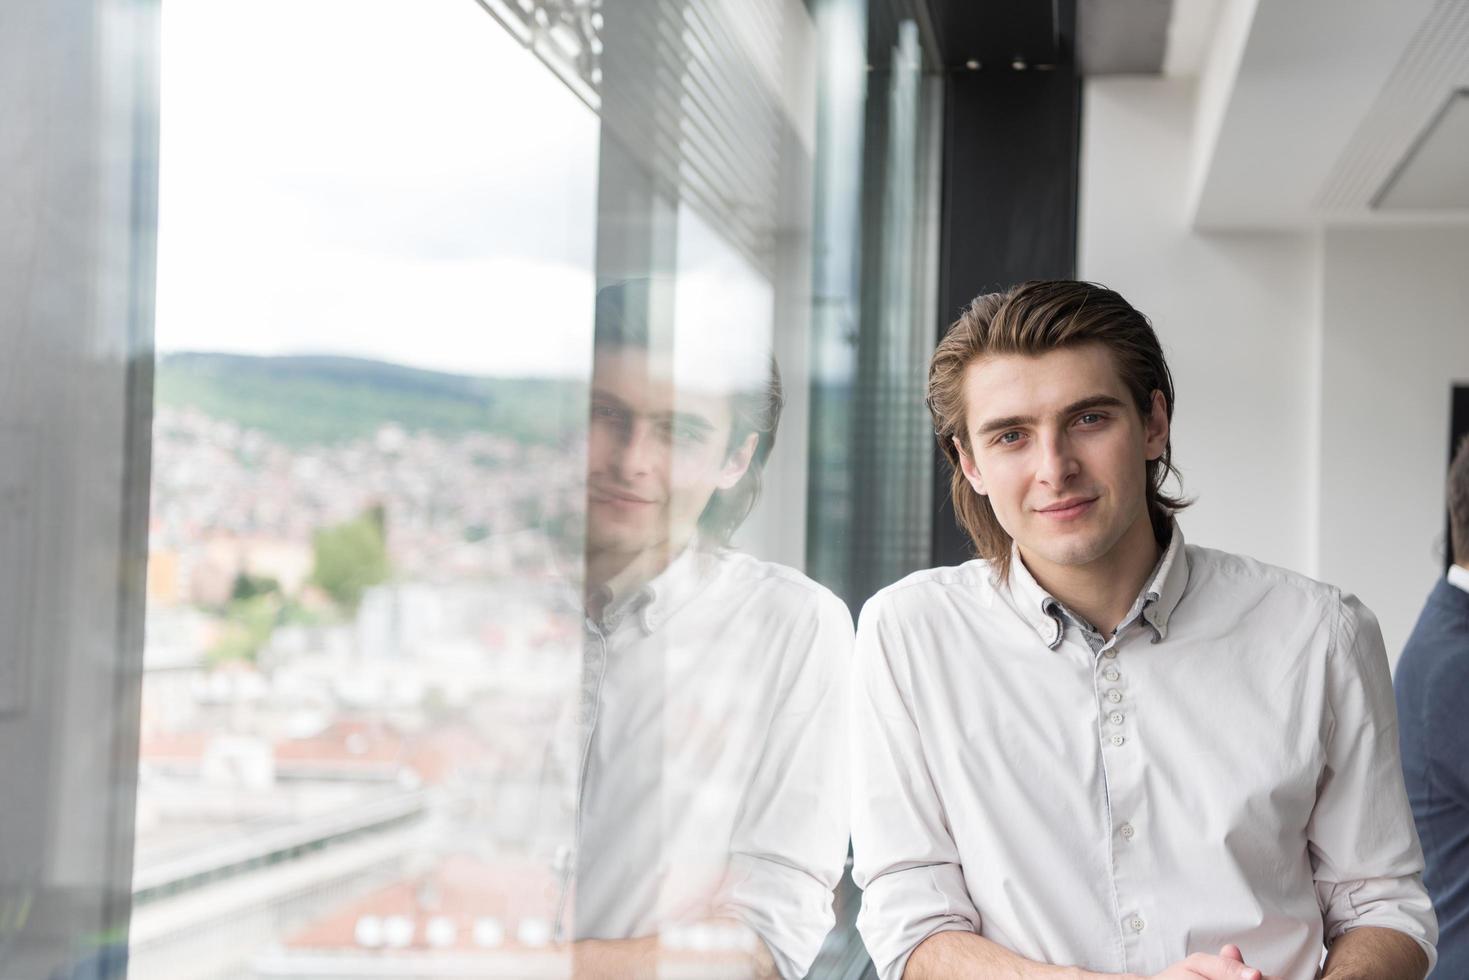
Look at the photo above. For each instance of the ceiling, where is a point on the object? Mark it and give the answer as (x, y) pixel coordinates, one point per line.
(1435, 174)
(1313, 112)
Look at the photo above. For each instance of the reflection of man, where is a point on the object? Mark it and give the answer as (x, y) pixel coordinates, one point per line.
(712, 804)
(1433, 688)
(1095, 750)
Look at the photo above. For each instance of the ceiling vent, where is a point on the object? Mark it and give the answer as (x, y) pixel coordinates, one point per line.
(1434, 175)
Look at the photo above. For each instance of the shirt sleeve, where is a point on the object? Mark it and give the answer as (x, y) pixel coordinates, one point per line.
(1364, 849)
(905, 859)
(790, 841)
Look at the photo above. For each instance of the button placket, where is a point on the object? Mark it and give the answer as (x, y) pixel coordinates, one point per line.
(589, 699)
(1132, 865)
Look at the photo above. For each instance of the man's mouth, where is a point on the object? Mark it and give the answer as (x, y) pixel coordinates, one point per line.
(1068, 509)
(617, 498)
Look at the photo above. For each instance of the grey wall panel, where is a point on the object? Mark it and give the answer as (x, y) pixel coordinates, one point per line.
(77, 177)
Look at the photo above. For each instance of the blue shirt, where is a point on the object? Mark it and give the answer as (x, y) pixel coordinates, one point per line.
(1432, 688)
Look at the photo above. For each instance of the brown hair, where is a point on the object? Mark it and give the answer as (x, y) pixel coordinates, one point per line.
(1031, 319)
(625, 315)
(1458, 494)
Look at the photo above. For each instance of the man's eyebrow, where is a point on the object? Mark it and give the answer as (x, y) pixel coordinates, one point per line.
(685, 418)
(1006, 422)
(600, 395)
(1094, 401)
(1080, 405)
(675, 418)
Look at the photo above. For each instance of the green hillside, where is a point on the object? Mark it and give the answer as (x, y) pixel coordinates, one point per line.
(314, 400)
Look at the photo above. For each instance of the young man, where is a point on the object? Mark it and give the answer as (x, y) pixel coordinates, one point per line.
(1432, 687)
(1094, 750)
(711, 804)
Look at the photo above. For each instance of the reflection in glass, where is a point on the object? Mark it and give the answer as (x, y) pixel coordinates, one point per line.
(710, 813)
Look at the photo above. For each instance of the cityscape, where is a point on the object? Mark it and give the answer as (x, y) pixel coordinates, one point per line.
(359, 667)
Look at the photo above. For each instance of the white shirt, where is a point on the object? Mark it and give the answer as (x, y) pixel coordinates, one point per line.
(1459, 577)
(713, 721)
(1224, 769)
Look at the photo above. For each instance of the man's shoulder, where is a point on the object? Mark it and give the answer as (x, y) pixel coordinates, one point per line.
(776, 584)
(918, 590)
(1438, 648)
(1212, 570)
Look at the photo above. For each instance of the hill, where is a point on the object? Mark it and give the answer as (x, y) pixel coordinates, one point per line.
(314, 400)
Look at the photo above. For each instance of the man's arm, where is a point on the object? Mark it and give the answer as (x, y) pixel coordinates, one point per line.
(789, 845)
(1363, 846)
(606, 959)
(947, 955)
(1372, 953)
(904, 858)
(647, 959)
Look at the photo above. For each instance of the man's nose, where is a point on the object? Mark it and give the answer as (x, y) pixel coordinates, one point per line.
(635, 454)
(1058, 463)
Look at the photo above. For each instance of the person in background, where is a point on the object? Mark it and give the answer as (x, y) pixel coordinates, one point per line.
(1432, 687)
(1095, 750)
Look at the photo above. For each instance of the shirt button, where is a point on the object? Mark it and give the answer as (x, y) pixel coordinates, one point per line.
(1115, 696)
(1126, 831)
(1111, 673)
(1118, 739)
(1110, 654)
(1137, 924)
(1115, 717)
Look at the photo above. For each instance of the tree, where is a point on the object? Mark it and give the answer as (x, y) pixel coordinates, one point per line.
(248, 625)
(249, 586)
(351, 557)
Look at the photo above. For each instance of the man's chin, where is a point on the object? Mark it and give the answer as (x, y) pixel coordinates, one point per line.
(1076, 548)
(624, 542)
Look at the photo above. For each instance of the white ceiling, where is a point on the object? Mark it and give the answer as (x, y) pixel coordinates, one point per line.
(1309, 108)
(1431, 67)
(1435, 174)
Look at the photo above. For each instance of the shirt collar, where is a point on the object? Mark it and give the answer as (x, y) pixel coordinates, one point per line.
(1459, 577)
(653, 601)
(1158, 598)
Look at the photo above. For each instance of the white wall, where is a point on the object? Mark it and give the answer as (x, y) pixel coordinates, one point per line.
(1236, 314)
(1395, 339)
(1313, 368)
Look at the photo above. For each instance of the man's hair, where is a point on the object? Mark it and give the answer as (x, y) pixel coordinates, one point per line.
(1031, 319)
(1458, 494)
(636, 314)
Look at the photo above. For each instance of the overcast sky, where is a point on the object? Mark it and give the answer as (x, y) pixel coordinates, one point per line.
(378, 178)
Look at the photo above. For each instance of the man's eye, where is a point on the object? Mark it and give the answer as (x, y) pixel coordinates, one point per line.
(605, 412)
(1008, 438)
(688, 433)
(1090, 418)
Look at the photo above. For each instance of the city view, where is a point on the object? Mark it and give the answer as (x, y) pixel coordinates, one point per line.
(358, 657)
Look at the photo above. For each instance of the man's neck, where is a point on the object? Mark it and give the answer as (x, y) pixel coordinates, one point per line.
(1103, 590)
(631, 569)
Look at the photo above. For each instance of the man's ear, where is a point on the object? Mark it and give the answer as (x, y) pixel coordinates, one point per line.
(971, 472)
(738, 462)
(1156, 427)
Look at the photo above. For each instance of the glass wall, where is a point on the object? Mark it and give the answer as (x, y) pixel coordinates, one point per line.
(537, 394)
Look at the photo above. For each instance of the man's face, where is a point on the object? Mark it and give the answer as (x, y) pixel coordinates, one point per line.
(657, 452)
(1060, 449)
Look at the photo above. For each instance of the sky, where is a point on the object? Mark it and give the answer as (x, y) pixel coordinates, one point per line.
(401, 181)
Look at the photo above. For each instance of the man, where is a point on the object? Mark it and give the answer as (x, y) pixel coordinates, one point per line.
(1094, 750)
(1432, 686)
(711, 804)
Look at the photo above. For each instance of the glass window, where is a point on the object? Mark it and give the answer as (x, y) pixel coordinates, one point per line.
(508, 508)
